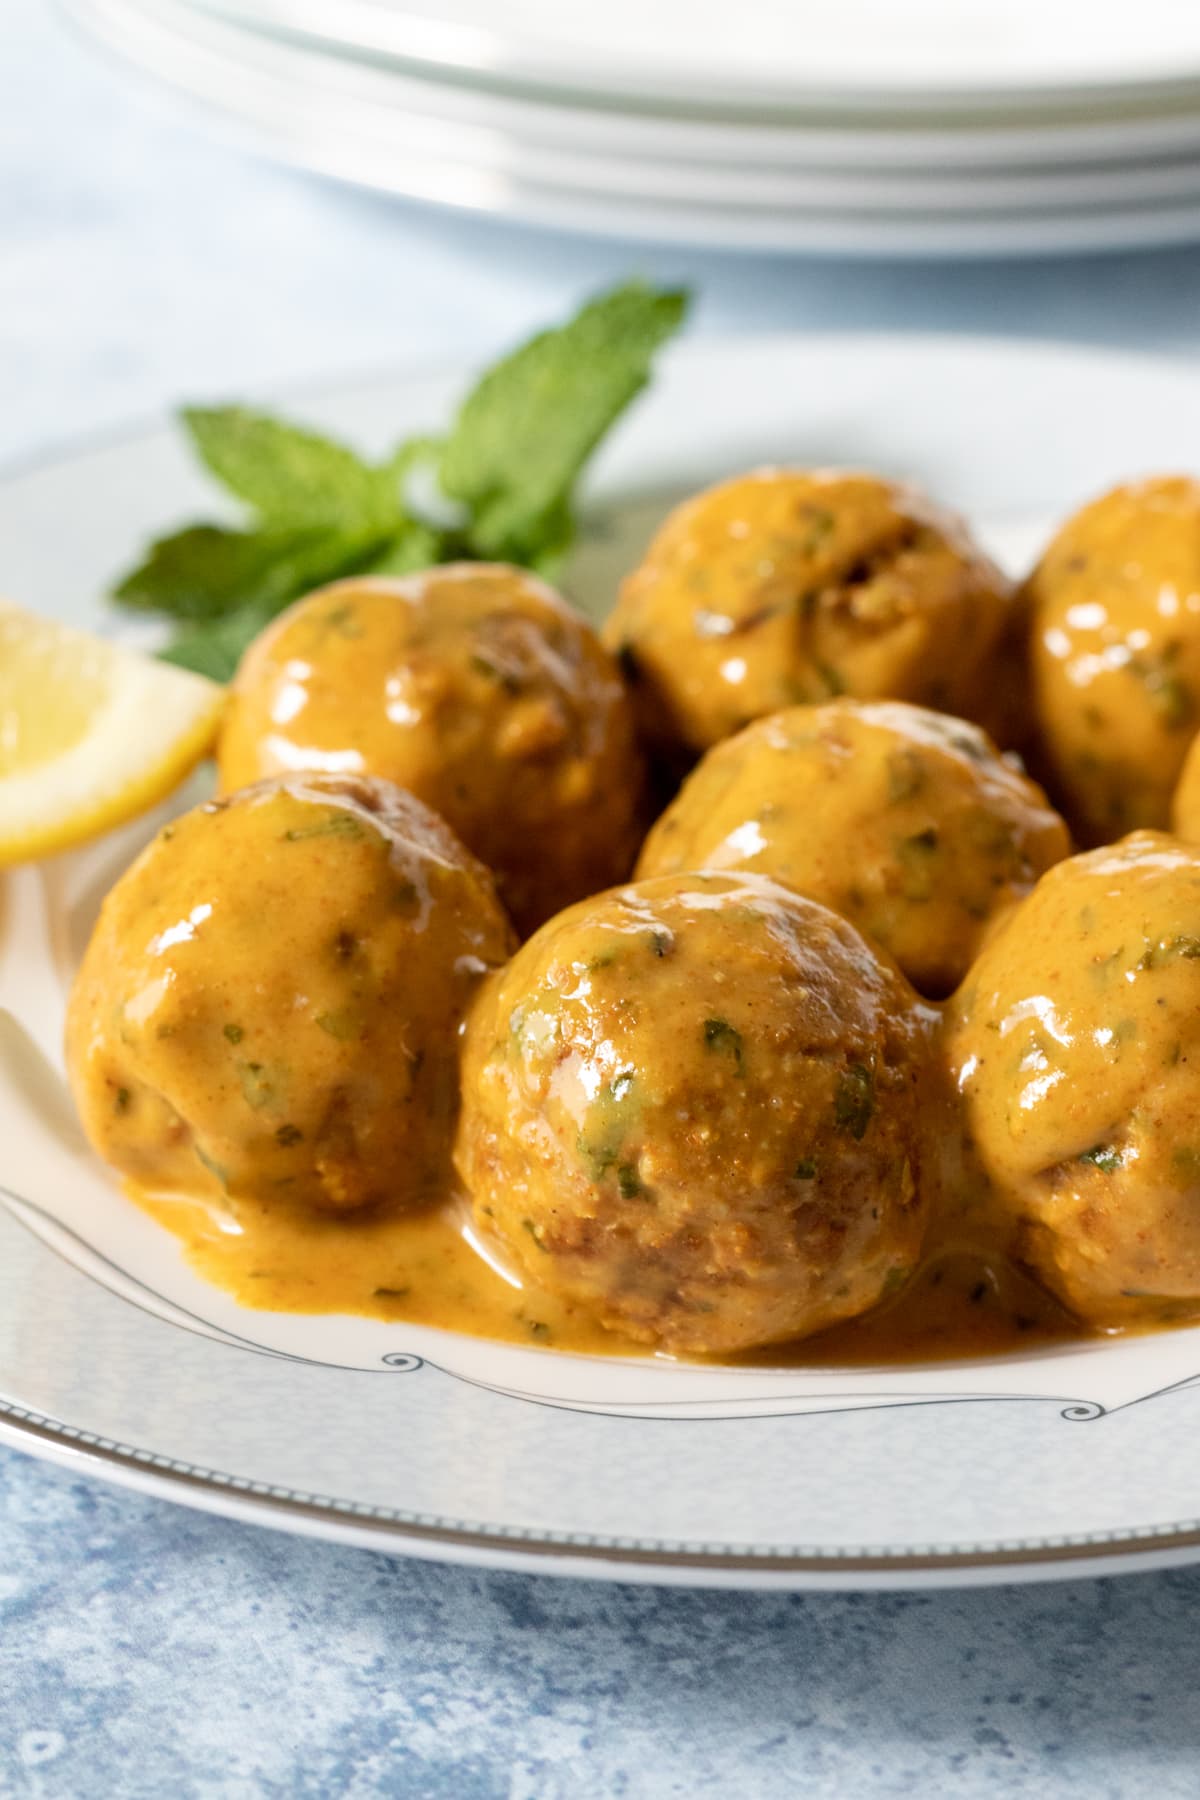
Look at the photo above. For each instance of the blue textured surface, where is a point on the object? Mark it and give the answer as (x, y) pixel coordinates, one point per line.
(145, 1650)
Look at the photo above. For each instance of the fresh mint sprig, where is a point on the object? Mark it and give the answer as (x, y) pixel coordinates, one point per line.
(529, 426)
(314, 510)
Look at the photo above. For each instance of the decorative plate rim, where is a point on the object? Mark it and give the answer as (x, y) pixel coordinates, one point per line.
(416, 1532)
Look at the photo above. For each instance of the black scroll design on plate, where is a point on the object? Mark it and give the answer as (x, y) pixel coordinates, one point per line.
(167, 1311)
(404, 1362)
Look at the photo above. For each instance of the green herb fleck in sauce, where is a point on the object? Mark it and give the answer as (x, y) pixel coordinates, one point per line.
(211, 1164)
(337, 824)
(906, 775)
(1168, 950)
(628, 1182)
(343, 1023)
(821, 525)
(720, 1035)
(343, 619)
(257, 1087)
(599, 1156)
(917, 858)
(503, 678)
(854, 1100)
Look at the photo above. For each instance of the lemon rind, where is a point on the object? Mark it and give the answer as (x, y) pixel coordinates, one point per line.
(106, 778)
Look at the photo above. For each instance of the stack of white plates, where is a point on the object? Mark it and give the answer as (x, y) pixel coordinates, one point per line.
(900, 127)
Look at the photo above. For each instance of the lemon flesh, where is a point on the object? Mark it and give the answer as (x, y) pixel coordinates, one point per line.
(90, 733)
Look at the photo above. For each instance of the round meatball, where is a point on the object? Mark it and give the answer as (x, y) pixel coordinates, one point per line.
(906, 822)
(788, 586)
(1115, 613)
(692, 1105)
(477, 688)
(1075, 1048)
(270, 1004)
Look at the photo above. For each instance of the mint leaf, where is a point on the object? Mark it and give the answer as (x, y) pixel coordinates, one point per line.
(216, 647)
(207, 572)
(415, 547)
(321, 513)
(203, 570)
(557, 534)
(289, 476)
(524, 433)
(215, 640)
(501, 487)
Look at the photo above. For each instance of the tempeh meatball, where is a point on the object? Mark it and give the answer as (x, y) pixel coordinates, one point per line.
(1115, 612)
(907, 822)
(789, 586)
(694, 1106)
(477, 688)
(1075, 1048)
(270, 1004)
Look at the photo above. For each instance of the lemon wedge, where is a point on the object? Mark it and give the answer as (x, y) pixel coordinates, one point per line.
(90, 733)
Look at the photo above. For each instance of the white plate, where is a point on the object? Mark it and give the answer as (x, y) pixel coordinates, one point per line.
(770, 51)
(340, 119)
(115, 1357)
(410, 120)
(1114, 134)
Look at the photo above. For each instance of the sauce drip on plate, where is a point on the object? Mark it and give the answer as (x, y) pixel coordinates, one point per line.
(424, 1268)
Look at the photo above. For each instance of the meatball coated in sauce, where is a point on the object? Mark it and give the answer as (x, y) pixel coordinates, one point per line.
(786, 586)
(477, 688)
(270, 1003)
(1115, 615)
(1075, 1047)
(692, 1106)
(908, 823)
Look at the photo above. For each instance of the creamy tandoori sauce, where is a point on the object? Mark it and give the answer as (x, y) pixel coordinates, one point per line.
(428, 1269)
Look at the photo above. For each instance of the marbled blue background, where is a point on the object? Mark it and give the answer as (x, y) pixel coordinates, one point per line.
(145, 1650)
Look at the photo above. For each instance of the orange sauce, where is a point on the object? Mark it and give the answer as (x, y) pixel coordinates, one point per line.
(425, 1269)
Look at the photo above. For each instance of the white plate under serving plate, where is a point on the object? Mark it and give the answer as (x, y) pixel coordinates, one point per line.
(1112, 133)
(361, 123)
(410, 123)
(116, 1358)
(764, 52)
